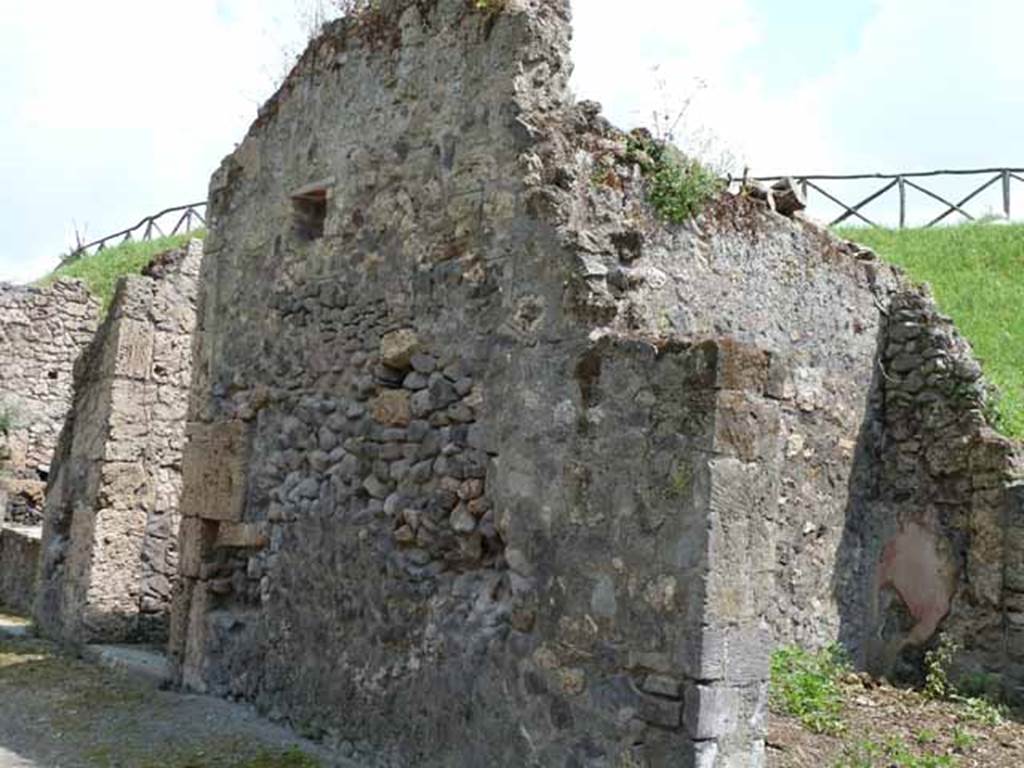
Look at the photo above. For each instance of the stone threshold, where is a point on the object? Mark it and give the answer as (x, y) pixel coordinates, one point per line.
(143, 662)
(146, 663)
(32, 532)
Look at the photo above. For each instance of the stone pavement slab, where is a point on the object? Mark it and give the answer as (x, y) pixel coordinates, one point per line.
(138, 661)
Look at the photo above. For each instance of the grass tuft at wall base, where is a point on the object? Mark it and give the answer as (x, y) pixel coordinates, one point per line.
(976, 272)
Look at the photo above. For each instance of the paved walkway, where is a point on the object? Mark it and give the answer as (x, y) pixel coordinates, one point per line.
(11, 760)
(62, 712)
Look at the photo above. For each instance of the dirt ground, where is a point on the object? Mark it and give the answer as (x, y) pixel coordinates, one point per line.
(60, 712)
(889, 727)
(57, 711)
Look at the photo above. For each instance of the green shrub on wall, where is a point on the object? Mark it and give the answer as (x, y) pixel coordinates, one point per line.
(678, 186)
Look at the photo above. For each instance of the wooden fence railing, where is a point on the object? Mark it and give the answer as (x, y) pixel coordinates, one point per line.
(186, 218)
(900, 183)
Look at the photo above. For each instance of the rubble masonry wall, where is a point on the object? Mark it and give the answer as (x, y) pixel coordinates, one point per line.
(493, 436)
(42, 332)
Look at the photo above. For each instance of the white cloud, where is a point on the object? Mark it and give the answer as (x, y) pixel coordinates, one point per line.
(621, 56)
(926, 84)
(117, 108)
(622, 52)
(932, 82)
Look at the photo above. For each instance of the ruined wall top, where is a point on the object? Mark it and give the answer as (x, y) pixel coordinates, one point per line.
(112, 497)
(392, 147)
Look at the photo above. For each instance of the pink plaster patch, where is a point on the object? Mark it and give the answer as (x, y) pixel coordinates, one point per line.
(916, 566)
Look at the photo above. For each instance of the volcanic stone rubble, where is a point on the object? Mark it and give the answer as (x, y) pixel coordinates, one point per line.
(486, 464)
(951, 483)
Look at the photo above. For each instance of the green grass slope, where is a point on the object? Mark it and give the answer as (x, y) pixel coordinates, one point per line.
(101, 271)
(976, 272)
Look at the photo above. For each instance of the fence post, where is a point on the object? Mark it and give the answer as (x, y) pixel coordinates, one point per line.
(903, 202)
(1006, 194)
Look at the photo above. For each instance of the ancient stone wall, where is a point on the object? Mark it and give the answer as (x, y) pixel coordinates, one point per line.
(784, 285)
(110, 533)
(42, 333)
(898, 503)
(943, 530)
(471, 425)
(416, 471)
(341, 394)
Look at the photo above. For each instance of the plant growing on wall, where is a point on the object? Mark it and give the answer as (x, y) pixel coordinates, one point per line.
(678, 186)
(681, 176)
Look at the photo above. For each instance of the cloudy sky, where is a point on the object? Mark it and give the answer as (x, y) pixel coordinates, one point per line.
(114, 109)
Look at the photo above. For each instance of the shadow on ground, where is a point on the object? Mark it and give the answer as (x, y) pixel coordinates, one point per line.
(59, 710)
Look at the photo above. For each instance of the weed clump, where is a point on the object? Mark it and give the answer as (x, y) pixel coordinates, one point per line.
(892, 752)
(290, 758)
(678, 187)
(972, 708)
(807, 686)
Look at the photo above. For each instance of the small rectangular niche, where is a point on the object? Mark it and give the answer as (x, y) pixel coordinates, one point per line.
(309, 209)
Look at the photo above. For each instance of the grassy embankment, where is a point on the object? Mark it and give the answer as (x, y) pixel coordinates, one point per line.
(976, 272)
(101, 271)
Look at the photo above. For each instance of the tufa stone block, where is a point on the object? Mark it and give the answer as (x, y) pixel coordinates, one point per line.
(196, 538)
(213, 470)
(662, 685)
(134, 358)
(194, 631)
(709, 711)
(780, 379)
(242, 535)
(745, 426)
(741, 366)
(398, 347)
